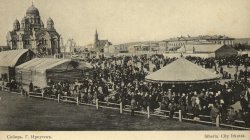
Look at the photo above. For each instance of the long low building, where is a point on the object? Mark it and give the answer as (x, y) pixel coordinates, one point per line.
(177, 42)
(10, 59)
(208, 50)
(40, 70)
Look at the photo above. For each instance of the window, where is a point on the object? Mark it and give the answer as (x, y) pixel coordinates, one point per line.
(43, 41)
(26, 42)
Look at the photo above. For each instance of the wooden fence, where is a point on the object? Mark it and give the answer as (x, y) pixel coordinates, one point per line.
(126, 108)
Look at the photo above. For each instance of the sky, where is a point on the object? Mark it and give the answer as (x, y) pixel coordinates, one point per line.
(122, 21)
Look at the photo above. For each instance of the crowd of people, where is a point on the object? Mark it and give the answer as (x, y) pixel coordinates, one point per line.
(217, 64)
(121, 79)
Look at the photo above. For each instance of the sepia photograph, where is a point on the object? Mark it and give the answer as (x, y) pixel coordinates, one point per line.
(125, 65)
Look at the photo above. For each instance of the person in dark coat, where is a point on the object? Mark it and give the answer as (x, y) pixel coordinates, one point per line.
(133, 105)
(172, 108)
(31, 87)
(231, 116)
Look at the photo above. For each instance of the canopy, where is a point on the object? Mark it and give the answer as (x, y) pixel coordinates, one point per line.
(182, 71)
(42, 64)
(39, 70)
(10, 58)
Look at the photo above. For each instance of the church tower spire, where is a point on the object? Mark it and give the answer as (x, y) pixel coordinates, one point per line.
(96, 39)
(96, 36)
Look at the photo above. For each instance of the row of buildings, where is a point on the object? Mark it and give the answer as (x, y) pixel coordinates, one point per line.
(172, 44)
(203, 46)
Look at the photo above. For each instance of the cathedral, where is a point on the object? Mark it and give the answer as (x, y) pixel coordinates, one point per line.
(31, 34)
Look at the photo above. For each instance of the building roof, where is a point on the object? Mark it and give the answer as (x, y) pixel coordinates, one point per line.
(205, 48)
(10, 58)
(182, 71)
(200, 37)
(242, 41)
(42, 32)
(42, 64)
(104, 42)
(3, 48)
(140, 43)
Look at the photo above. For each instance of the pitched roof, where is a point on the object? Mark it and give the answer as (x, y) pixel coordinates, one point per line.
(10, 58)
(42, 64)
(205, 48)
(242, 41)
(104, 42)
(182, 71)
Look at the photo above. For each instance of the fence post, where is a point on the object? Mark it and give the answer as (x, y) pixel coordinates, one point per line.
(121, 107)
(218, 121)
(77, 101)
(148, 112)
(58, 98)
(180, 116)
(96, 102)
(42, 94)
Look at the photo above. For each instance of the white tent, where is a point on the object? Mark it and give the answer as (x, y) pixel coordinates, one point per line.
(182, 71)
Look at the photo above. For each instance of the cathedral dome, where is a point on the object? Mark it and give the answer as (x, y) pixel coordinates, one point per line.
(50, 24)
(24, 20)
(16, 22)
(16, 25)
(50, 21)
(32, 11)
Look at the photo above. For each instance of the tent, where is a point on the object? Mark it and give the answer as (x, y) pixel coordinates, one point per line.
(10, 59)
(182, 71)
(40, 70)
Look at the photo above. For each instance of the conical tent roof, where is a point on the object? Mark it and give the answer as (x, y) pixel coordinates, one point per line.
(182, 71)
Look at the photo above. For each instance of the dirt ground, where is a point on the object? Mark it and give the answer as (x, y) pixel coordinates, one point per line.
(24, 113)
